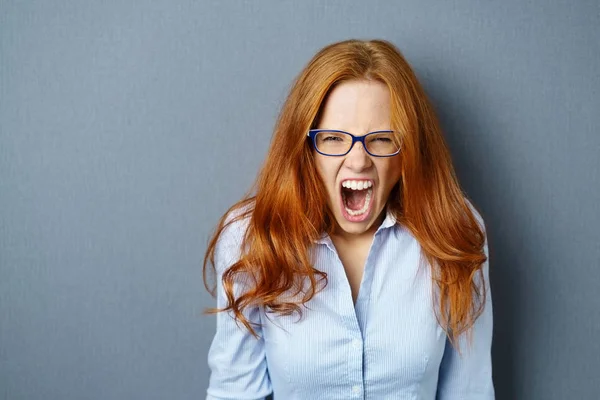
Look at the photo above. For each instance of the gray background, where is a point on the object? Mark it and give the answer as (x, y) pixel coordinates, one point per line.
(127, 128)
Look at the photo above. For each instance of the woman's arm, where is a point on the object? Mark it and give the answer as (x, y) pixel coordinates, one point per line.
(236, 358)
(468, 376)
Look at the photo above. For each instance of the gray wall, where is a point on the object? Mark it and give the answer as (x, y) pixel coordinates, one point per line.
(127, 128)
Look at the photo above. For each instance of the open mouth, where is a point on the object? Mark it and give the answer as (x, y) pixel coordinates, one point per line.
(357, 199)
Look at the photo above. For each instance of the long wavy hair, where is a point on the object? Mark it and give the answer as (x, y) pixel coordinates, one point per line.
(288, 210)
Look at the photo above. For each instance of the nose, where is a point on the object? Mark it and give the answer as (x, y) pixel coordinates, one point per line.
(358, 159)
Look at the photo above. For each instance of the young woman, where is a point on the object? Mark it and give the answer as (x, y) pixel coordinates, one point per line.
(359, 267)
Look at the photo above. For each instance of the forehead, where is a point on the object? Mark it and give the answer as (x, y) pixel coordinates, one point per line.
(357, 106)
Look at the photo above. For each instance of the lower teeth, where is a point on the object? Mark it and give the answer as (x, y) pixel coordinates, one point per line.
(364, 208)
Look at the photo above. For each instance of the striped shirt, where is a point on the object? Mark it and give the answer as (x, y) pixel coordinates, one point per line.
(388, 345)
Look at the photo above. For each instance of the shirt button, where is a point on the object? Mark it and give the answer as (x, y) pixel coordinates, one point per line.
(356, 389)
(356, 344)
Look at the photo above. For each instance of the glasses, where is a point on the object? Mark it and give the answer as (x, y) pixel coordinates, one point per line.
(330, 142)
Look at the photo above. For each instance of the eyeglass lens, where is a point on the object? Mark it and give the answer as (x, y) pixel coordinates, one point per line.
(337, 143)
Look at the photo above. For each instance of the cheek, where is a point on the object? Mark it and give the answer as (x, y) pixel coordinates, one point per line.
(326, 169)
(390, 171)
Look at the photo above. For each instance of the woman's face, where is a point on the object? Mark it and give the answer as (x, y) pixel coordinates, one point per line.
(358, 107)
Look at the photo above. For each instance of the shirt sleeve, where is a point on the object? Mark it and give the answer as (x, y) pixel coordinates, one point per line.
(236, 358)
(468, 376)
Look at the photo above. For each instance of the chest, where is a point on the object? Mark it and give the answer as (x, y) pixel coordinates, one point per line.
(353, 260)
(389, 336)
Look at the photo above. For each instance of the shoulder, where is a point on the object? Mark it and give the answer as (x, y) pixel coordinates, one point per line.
(235, 224)
(485, 249)
(476, 213)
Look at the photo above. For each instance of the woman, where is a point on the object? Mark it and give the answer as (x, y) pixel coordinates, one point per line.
(359, 268)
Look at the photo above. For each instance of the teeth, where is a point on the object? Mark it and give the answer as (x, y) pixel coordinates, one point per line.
(364, 208)
(357, 185)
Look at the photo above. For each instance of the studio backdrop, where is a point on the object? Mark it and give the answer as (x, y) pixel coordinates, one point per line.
(128, 128)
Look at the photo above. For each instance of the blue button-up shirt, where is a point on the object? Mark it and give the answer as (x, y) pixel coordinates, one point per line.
(388, 345)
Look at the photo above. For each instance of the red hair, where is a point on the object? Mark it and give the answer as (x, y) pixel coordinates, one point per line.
(289, 210)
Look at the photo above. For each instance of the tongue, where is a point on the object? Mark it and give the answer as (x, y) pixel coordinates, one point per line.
(355, 199)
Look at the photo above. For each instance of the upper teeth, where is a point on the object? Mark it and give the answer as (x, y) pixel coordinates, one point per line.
(357, 185)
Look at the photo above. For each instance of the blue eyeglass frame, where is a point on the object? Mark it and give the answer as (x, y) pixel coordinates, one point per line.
(312, 133)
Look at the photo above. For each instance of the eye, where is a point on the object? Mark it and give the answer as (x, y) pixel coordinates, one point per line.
(332, 138)
(382, 139)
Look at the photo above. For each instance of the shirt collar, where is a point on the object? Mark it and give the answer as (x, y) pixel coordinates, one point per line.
(388, 222)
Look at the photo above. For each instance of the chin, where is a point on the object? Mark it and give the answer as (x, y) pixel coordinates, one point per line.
(357, 228)
(353, 228)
